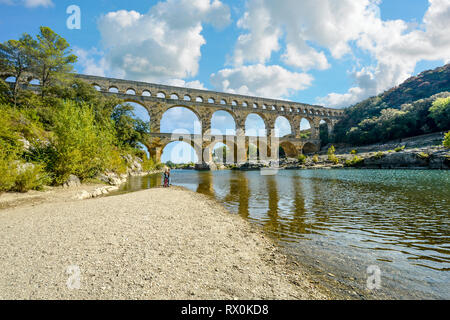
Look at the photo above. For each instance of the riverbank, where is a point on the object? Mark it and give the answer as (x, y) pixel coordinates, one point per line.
(153, 244)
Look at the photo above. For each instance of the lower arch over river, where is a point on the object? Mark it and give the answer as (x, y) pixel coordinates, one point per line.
(340, 222)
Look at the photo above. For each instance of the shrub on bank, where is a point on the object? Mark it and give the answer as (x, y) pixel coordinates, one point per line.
(83, 147)
(315, 158)
(302, 158)
(398, 149)
(446, 141)
(379, 155)
(353, 162)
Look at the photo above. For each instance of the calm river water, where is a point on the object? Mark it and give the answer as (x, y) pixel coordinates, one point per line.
(340, 222)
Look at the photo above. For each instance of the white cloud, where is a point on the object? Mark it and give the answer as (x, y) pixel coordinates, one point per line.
(260, 80)
(397, 51)
(306, 31)
(163, 44)
(29, 3)
(186, 84)
(92, 61)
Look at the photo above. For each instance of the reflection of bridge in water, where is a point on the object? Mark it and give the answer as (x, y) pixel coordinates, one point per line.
(157, 99)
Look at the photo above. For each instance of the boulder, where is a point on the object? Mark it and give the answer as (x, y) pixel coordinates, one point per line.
(84, 195)
(72, 181)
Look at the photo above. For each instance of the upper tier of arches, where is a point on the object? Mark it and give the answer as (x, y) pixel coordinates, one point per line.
(207, 97)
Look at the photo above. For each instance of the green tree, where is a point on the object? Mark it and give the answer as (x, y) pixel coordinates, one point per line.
(15, 60)
(446, 141)
(440, 113)
(129, 130)
(52, 58)
(83, 146)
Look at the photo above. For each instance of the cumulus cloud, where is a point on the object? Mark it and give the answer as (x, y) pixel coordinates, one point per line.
(29, 3)
(92, 61)
(186, 84)
(306, 32)
(163, 44)
(260, 80)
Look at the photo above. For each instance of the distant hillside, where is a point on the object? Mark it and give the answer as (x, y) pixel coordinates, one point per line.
(400, 112)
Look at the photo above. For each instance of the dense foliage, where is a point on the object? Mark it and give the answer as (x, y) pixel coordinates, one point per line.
(418, 106)
(67, 128)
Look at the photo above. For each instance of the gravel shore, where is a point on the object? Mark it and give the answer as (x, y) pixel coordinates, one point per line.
(152, 244)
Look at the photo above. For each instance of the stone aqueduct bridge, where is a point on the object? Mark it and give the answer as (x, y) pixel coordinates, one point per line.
(157, 99)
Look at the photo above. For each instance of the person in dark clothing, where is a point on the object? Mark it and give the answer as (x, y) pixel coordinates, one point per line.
(167, 178)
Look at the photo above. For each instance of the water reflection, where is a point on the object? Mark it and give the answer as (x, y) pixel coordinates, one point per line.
(348, 219)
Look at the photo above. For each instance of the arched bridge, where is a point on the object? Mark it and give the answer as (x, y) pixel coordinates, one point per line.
(157, 99)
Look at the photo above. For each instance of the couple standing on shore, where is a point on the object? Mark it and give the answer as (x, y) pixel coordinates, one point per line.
(166, 177)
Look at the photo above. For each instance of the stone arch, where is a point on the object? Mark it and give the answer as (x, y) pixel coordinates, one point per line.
(264, 120)
(289, 149)
(97, 87)
(310, 148)
(230, 113)
(211, 100)
(174, 96)
(161, 95)
(146, 93)
(279, 121)
(191, 109)
(187, 97)
(34, 82)
(305, 132)
(194, 147)
(199, 99)
(223, 101)
(131, 91)
(231, 146)
(131, 100)
(113, 89)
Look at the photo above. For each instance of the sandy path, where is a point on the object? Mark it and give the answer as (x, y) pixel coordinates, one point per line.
(153, 244)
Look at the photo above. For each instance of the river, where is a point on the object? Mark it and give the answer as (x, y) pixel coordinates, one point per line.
(365, 233)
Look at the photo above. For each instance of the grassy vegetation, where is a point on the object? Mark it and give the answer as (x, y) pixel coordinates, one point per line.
(67, 127)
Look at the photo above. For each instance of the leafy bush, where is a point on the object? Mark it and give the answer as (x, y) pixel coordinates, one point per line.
(354, 152)
(83, 147)
(423, 155)
(353, 162)
(315, 158)
(398, 149)
(446, 141)
(301, 158)
(379, 155)
(7, 170)
(30, 177)
(331, 156)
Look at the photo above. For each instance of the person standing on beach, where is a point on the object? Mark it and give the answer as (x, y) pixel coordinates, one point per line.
(166, 178)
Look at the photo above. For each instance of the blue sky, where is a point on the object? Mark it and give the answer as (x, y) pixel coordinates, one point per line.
(333, 53)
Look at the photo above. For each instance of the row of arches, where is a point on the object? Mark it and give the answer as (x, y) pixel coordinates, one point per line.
(223, 101)
(219, 153)
(33, 81)
(180, 119)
